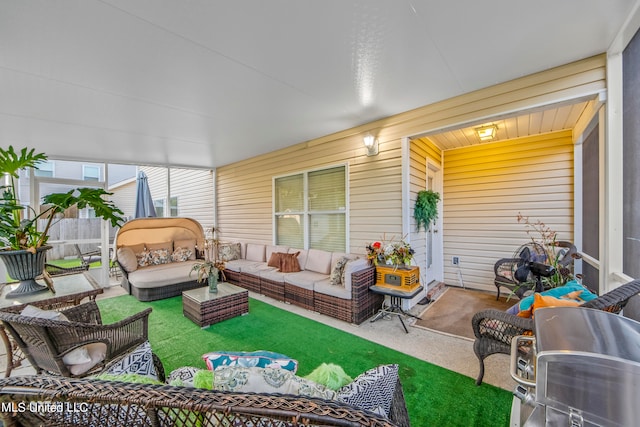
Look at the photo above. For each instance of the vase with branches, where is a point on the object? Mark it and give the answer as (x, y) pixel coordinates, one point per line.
(211, 268)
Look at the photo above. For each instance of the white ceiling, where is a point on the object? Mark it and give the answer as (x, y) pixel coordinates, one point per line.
(204, 83)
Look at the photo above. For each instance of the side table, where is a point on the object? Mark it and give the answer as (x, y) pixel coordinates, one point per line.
(70, 290)
(395, 303)
(205, 308)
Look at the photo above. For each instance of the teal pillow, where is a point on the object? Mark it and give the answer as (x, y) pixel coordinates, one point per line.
(252, 359)
(330, 375)
(558, 292)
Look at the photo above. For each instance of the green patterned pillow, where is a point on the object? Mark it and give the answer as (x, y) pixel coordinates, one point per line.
(267, 380)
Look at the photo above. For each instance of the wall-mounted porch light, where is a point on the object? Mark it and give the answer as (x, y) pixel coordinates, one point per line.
(486, 133)
(371, 144)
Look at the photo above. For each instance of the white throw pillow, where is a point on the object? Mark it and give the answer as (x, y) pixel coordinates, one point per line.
(96, 351)
(77, 356)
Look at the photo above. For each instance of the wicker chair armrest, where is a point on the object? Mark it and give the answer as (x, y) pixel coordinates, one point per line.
(500, 325)
(571, 255)
(55, 270)
(119, 337)
(84, 313)
(615, 300)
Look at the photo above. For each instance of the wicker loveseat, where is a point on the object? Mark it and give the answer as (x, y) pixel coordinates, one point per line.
(90, 402)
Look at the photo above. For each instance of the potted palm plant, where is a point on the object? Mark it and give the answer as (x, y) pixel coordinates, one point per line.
(22, 244)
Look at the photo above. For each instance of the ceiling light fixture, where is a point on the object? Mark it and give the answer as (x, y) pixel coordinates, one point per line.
(486, 133)
(371, 144)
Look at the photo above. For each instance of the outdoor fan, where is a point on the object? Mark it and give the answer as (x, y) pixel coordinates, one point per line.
(531, 264)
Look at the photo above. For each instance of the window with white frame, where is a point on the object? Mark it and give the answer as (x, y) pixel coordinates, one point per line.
(90, 173)
(158, 205)
(45, 169)
(310, 209)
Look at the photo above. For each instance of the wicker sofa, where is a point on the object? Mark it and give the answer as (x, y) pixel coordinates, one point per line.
(164, 280)
(90, 402)
(312, 287)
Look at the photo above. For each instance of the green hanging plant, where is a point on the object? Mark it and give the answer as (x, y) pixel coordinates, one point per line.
(426, 210)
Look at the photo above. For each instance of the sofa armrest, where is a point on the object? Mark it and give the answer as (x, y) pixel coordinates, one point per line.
(355, 273)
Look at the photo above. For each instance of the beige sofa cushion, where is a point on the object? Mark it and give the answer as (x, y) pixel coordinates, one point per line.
(302, 256)
(162, 245)
(162, 275)
(318, 261)
(255, 252)
(325, 287)
(304, 279)
(270, 249)
(127, 259)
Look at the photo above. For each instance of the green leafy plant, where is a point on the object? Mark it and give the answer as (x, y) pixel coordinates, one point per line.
(17, 231)
(426, 209)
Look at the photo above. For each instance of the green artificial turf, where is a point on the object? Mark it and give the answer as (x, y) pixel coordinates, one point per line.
(435, 396)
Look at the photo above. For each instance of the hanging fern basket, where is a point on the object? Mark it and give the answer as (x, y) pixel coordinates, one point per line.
(426, 209)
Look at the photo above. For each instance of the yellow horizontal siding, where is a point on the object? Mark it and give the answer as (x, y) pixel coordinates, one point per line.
(486, 189)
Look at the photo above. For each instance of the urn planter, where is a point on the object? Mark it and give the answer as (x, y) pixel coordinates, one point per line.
(25, 266)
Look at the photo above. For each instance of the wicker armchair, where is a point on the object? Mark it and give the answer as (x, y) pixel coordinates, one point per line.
(90, 402)
(494, 329)
(45, 342)
(513, 273)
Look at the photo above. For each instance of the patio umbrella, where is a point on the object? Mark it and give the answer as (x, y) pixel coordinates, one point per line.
(144, 202)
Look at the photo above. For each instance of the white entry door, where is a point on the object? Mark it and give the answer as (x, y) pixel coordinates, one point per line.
(434, 246)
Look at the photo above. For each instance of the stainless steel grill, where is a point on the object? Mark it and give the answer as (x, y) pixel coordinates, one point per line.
(581, 369)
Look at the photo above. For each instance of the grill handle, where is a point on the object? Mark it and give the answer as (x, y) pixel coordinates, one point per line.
(516, 342)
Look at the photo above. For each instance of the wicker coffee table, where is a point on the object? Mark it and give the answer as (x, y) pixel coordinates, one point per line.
(205, 308)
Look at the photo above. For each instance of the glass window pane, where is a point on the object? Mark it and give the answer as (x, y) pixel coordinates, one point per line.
(289, 194)
(290, 231)
(44, 169)
(158, 204)
(90, 173)
(327, 189)
(173, 206)
(327, 232)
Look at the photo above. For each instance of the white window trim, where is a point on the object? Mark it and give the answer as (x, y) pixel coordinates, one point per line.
(84, 172)
(305, 213)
